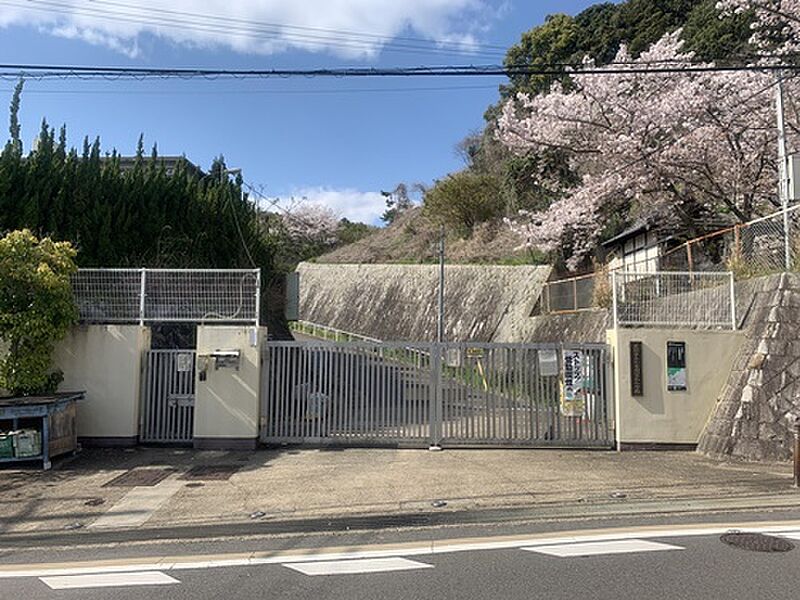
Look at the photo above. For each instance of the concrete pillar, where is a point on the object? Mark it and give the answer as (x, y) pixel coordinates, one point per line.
(227, 410)
(105, 361)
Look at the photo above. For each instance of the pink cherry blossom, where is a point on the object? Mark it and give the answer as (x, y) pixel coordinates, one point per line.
(680, 149)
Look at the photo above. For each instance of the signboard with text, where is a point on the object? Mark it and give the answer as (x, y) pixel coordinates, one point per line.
(573, 392)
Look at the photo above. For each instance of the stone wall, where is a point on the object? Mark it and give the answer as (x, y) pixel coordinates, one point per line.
(757, 407)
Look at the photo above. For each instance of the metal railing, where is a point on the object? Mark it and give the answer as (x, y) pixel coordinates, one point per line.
(328, 333)
(167, 295)
(572, 294)
(674, 299)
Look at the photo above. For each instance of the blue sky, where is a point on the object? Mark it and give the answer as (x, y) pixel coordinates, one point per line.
(338, 142)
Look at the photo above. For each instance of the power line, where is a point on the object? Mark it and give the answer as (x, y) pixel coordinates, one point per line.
(266, 32)
(41, 72)
(281, 26)
(279, 92)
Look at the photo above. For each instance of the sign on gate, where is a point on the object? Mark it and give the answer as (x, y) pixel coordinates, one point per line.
(573, 394)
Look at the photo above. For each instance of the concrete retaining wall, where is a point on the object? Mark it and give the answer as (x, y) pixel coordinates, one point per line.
(399, 302)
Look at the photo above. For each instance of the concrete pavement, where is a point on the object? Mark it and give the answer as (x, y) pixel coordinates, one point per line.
(208, 488)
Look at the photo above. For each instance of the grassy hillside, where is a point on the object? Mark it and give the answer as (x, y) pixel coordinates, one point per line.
(413, 238)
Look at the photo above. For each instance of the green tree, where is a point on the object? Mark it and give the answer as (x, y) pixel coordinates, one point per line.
(348, 231)
(36, 309)
(463, 200)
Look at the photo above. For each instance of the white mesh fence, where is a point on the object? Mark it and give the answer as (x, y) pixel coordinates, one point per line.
(695, 300)
(162, 295)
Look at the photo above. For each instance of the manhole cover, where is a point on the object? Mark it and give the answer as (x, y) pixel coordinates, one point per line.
(211, 472)
(140, 477)
(757, 542)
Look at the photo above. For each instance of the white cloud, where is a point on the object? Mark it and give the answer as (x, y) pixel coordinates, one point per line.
(354, 205)
(257, 26)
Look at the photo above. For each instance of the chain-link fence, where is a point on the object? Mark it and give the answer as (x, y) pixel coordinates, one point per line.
(697, 300)
(758, 247)
(167, 295)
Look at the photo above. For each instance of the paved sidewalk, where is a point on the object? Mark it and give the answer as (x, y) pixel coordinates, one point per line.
(303, 483)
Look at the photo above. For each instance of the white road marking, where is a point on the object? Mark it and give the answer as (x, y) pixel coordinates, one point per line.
(352, 567)
(137, 506)
(172, 563)
(792, 535)
(108, 580)
(600, 548)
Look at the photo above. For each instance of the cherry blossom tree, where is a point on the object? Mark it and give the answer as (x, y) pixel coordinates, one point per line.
(311, 224)
(776, 30)
(680, 149)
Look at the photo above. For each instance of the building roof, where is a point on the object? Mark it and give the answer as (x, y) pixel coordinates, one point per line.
(633, 230)
(170, 163)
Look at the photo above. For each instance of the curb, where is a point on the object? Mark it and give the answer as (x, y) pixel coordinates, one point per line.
(396, 521)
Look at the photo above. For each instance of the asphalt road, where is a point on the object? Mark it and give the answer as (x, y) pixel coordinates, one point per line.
(662, 561)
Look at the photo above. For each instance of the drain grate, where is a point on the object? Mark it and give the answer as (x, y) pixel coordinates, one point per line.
(757, 542)
(140, 477)
(210, 472)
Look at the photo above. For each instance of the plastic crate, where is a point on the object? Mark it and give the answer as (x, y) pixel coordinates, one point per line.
(6, 445)
(27, 443)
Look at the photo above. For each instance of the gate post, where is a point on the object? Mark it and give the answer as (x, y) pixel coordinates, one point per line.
(436, 405)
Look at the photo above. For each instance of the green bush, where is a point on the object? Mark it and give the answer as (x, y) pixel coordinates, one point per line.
(464, 200)
(36, 310)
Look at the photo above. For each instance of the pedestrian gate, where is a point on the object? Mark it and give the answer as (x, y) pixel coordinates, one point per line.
(167, 413)
(452, 393)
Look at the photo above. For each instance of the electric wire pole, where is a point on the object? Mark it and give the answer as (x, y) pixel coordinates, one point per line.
(440, 322)
(783, 169)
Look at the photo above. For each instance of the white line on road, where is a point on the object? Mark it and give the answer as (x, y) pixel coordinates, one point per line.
(177, 563)
(108, 580)
(601, 548)
(137, 506)
(351, 567)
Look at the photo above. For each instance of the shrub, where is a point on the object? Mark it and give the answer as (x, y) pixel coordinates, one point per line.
(463, 200)
(36, 310)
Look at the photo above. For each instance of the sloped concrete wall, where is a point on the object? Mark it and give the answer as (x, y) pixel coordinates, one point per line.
(755, 412)
(399, 302)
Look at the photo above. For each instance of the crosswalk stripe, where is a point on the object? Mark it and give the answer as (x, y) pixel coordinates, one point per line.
(600, 548)
(352, 567)
(98, 580)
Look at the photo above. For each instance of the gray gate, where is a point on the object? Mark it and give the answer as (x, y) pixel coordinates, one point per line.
(167, 413)
(453, 394)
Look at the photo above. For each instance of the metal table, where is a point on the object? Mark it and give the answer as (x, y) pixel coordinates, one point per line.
(57, 413)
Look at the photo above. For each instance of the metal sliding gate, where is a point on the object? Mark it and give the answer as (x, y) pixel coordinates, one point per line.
(167, 413)
(420, 394)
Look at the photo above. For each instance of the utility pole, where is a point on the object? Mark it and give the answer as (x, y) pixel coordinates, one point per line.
(783, 170)
(440, 323)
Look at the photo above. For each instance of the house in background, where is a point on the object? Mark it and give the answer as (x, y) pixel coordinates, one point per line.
(638, 249)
